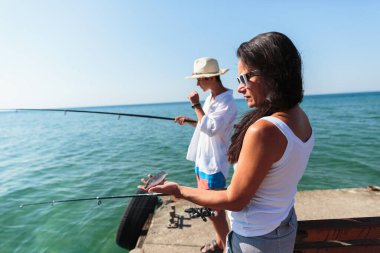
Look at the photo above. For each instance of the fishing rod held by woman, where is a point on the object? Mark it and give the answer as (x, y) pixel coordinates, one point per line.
(270, 149)
(157, 179)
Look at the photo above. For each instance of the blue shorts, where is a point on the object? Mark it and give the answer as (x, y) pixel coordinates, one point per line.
(210, 181)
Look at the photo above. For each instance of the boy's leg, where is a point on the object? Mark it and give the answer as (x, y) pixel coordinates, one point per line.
(221, 228)
(215, 182)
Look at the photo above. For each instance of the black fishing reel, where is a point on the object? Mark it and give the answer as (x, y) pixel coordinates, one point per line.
(202, 212)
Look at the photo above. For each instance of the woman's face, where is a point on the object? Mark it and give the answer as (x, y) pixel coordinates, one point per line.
(255, 90)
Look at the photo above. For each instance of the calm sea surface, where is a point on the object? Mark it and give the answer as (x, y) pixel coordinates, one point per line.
(51, 156)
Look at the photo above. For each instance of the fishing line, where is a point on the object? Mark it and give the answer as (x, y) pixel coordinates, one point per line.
(96, 198)
(109, 113)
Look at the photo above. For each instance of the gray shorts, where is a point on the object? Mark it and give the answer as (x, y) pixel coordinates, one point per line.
(280, 240)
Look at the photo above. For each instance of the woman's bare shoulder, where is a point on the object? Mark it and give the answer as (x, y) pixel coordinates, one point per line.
(265, 131)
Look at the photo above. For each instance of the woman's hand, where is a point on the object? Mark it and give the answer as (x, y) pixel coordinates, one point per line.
(170, 188)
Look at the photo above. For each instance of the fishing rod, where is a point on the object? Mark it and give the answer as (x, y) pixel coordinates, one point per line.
(157, 179)
(96, 198)
(109, 113)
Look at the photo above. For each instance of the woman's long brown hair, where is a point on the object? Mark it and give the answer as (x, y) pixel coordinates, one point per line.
(279, 61)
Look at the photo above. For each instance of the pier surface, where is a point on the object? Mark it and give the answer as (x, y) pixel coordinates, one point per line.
(191, 234)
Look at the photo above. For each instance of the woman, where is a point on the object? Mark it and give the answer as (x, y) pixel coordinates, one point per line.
(270, 150)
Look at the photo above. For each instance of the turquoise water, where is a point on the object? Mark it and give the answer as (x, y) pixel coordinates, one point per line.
(50, 156)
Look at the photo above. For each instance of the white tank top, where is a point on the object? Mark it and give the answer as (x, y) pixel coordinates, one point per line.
(275, 197)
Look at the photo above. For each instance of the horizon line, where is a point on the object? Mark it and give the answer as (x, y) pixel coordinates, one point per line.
(184, 101)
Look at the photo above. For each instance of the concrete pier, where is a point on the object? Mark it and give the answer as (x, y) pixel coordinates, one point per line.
(191, 234)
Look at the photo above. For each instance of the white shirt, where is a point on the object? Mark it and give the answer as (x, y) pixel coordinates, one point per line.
(275, 197)
(209, 144)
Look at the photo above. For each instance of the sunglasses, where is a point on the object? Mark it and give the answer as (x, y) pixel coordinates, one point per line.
(243, 78)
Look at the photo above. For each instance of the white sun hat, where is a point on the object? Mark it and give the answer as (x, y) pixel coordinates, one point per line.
(206, 67)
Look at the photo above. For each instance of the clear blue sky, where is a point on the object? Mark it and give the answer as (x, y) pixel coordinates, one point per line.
(87, 53)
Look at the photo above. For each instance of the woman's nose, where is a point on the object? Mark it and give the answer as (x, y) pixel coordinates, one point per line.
(241, 88)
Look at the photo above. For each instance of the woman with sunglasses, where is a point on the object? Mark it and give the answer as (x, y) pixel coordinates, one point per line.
(270, 150)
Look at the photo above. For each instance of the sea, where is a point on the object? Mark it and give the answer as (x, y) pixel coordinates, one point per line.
(48, 156)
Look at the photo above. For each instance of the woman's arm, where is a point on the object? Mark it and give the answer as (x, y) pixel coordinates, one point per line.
(263, 145)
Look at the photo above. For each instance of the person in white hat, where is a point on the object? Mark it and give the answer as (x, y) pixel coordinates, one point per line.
(209, 145)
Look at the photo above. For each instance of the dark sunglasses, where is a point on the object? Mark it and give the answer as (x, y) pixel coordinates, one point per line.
(243, 78)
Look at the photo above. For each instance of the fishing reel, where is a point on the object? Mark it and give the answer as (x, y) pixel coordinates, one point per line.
(202, 212)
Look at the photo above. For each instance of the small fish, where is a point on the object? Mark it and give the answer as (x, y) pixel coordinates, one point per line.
(156, 180)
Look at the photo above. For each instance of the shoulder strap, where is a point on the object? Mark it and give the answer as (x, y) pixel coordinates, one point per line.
(282, 126)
